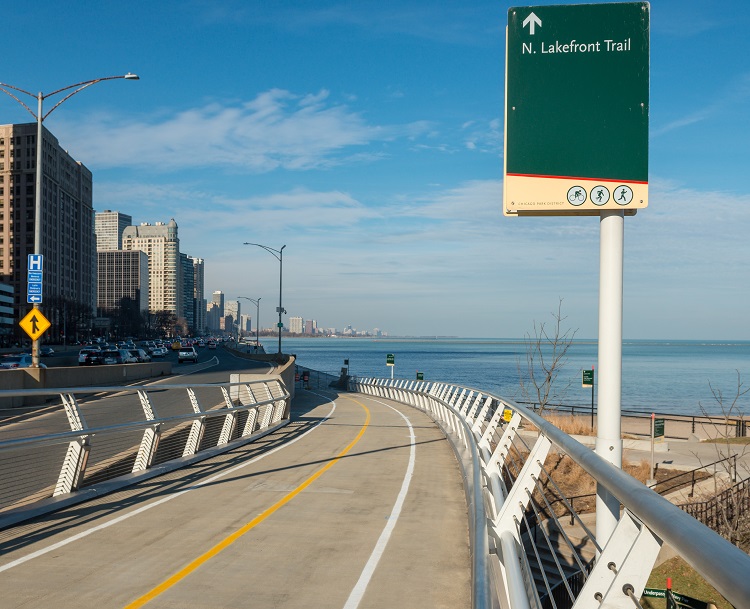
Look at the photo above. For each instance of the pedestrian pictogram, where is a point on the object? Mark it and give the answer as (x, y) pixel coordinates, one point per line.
(623, 195)
(34, 324)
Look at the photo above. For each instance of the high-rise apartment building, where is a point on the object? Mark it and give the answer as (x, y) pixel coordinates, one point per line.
(215, 311)
(296, 325)
(162, 245)
(188, 289)
(109, 226)
(232, 309)
(122, 275)
(67, 217)
(199, 300)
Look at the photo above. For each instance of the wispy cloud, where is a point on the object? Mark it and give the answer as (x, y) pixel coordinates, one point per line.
(277, 129)
(736, 92)
(455, 22)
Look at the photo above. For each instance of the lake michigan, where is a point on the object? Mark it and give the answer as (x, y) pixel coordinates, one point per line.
(670, 377)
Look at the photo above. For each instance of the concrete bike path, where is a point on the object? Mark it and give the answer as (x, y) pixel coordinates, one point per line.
(357, 503)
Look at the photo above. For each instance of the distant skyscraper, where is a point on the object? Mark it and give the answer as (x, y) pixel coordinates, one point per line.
(296, 325)
(215, 311)
(161, 243)
(122, 274)
(199, 299)
(232, 309)
(109, 226)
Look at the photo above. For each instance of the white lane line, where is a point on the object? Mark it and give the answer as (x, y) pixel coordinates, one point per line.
(140, 510)
(358, 592)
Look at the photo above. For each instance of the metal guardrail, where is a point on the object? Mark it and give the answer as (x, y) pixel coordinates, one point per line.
(93, 440)
(508, 472)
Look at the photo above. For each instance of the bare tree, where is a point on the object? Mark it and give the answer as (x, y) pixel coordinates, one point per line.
(546, 356)
(731, 491)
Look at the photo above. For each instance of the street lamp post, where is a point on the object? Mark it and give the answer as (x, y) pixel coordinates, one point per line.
(40, 116)
(279, 255)
(256, 302)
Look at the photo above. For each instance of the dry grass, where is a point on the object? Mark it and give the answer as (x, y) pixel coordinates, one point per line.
(573, 481)
(572, 425)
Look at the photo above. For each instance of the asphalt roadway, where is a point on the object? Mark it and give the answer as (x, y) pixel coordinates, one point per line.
(357, 503)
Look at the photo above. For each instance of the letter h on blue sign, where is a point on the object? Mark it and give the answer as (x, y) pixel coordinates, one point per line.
(35, 262)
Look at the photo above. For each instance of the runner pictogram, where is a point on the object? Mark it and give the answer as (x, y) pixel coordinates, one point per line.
(599, 195)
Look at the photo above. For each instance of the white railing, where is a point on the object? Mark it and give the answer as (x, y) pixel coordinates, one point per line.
(509, 511)
(93, 440)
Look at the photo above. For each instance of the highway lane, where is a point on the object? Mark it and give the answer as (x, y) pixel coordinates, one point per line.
(214, 366)
(357, 503)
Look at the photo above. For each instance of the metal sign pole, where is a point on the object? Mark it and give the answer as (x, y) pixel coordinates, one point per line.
(609, 437)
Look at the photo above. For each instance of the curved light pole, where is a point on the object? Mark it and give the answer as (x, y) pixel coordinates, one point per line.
(40, 115)
(279, 255)
(256, 302)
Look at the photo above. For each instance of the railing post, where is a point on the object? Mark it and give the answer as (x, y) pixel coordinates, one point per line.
(197, 427)
(74, 464)
(230, 420)
(151, 435)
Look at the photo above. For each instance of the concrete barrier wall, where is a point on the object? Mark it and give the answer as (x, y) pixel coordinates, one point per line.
(73, 376)
(285, 368)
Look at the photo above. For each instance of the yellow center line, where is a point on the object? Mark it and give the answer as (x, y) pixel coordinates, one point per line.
(228, 541)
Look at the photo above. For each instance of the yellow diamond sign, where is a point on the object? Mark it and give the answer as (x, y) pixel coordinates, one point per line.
(34, 324)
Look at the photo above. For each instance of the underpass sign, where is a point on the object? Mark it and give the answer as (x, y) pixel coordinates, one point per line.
(576, 109)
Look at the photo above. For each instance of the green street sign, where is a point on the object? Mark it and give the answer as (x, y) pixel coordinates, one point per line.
(576, 109)
(587, 378)
(420, 376)
(280, 324)
(685, 601)
(658, 428)
(390, 359)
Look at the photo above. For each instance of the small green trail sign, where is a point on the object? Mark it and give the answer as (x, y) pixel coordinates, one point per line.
(390, 359)
(587, 378)
(577, 105)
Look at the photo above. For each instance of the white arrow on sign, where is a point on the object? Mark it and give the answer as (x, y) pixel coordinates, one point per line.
(532, 21)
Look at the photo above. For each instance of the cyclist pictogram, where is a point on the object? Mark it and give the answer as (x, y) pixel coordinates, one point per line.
(577, 195)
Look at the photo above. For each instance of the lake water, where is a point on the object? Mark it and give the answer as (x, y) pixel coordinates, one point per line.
(661, 376)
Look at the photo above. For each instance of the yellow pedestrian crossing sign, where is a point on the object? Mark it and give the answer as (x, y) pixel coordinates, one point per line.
(34, 324)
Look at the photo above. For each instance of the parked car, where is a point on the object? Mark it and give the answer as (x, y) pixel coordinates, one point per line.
(89, 356)
(140, 355)
(187, 354)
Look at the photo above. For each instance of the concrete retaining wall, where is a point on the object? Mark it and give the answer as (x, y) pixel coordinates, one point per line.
(73, 376)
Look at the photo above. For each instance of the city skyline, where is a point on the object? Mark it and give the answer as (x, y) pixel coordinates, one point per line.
(368, 139)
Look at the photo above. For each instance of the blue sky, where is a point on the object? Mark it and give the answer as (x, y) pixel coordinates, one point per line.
(368, 138)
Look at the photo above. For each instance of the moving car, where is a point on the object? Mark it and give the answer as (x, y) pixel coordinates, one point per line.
(187, 354)
(117, 356)
(140, 355)
(17, 361)
(89, 356)
(159, 352)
